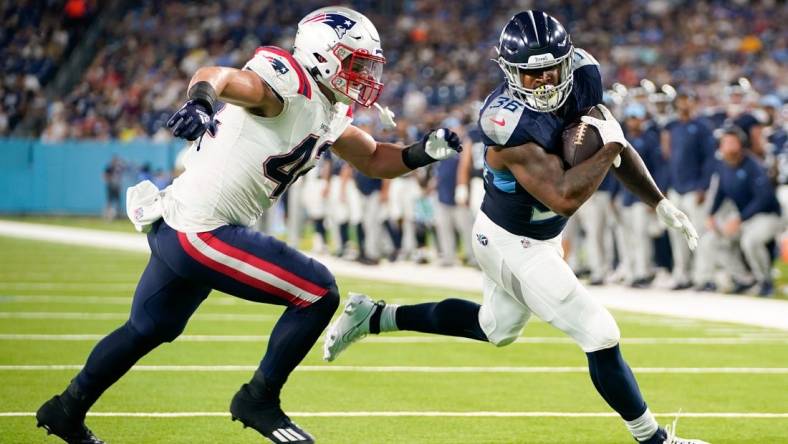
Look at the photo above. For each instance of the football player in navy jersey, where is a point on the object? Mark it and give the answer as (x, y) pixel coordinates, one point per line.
(529, 196)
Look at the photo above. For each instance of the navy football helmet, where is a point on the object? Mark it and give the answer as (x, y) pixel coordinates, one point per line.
(534, 40)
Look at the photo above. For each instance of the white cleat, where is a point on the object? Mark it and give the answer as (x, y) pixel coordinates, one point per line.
(673, 439)
(352, 325)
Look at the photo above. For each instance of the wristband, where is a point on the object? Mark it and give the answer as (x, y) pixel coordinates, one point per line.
(415, 156)
(203, 93)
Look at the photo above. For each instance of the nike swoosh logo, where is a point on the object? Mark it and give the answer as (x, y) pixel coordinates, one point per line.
(501, 122)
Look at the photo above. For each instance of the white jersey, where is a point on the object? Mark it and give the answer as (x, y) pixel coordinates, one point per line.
(233, 177)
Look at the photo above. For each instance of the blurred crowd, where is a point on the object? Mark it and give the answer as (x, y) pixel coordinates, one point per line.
(35, 39)
(438, 57)
(709, 121)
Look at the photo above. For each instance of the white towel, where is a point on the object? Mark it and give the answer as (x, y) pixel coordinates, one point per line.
(143, 205)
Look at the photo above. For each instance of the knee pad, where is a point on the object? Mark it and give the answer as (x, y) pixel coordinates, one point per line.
(501, 328)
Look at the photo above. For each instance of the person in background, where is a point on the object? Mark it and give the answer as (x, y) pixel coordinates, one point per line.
(370, 230)
(737, 98)
(691, 147)
(113, 177)
(594, 220)
(744, 181)
(452, 218)
(637, 246)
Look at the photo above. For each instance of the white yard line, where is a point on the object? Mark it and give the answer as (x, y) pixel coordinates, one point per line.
(417, 339)
(481, 414)
(685, 304)
(414, 369)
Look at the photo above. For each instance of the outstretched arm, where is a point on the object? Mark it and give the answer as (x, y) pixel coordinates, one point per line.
(388, 160)
(542, 174)
(239, 87)
(209, 84)
(633, 174)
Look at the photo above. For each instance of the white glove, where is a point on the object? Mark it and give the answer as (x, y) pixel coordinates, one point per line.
(386, 117)
(673, 218)
(609, 130)
(442, 144)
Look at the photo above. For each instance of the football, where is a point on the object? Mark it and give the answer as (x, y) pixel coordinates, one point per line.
(581, 140)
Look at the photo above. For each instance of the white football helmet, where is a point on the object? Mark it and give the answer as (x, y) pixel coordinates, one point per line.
(340, 47)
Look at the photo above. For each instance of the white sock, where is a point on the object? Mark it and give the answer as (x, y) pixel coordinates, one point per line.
(388, 318)
(643, 427)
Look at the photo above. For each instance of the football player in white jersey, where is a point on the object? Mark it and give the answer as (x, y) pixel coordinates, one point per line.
(281, 112)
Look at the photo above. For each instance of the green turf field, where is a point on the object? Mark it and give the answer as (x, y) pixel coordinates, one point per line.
(57, 300)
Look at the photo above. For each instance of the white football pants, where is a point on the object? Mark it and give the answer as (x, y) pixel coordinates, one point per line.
(524, 276)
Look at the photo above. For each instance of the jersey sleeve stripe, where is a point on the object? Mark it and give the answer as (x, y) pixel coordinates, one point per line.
(304, 88)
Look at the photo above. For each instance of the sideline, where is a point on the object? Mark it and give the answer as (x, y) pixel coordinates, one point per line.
(686, 304)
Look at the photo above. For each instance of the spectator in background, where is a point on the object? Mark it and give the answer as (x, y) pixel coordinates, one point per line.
(737, 98)
(370, 230)
(452, 219)
(593, 219)
(637, 217)
(691, 147)
(113, 178)
(744, 181)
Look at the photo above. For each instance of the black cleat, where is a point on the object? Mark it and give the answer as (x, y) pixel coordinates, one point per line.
(267, 417)
(55, 418)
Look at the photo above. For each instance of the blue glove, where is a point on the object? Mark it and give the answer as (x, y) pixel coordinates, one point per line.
(192, 121)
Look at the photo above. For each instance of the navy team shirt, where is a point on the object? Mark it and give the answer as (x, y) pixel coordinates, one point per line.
(747, 186)
(692, 149)
(506, 122)
(647, 145)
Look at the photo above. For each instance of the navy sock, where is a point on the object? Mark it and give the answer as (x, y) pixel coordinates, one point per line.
(450, 317)
(395, 233)
(320, 228)
(293, 336)
(614, 380)
(344, 233)
(110, 359)
(361, 236)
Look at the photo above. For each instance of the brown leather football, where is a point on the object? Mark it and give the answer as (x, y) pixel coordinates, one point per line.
(581, 140)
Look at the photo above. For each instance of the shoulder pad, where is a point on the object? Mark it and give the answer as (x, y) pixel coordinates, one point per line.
(582, 58)
(588, 79)
(280, 71)
(500, 120)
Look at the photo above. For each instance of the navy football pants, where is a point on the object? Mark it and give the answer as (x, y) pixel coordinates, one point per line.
(182, 271)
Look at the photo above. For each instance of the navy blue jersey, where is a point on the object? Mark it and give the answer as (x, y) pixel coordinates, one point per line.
(367, 185)
(506, 122)
(692, 150)
(446, 175)
(747, 185)
(647, 146)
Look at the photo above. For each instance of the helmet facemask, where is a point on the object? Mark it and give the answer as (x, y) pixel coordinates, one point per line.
(359, 75)
(544, 98)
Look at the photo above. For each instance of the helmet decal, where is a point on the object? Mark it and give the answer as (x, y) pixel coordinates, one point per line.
(340, 23)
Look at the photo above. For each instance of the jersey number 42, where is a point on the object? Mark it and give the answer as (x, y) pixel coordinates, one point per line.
(284, 169)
